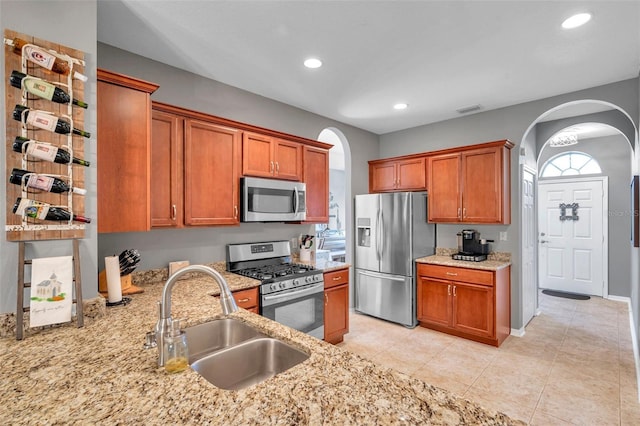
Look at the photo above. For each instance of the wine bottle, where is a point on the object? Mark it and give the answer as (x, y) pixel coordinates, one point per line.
(46, 151)
(42, 182)
(44, 89)
(46, 121)
(44, 58)
(44, 211)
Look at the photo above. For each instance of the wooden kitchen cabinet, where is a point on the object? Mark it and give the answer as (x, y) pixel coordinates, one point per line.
(315, 174)
(336, 305)
(124, 138)
(470, 185)
(470, 303)
(397, 175)
(247, 299)
(266, 156)
(196, 175)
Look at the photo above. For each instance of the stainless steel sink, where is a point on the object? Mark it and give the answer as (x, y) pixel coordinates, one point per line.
(215, 335)
(248, 363)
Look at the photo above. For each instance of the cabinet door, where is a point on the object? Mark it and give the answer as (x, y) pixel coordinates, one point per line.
(444, 188)
(411, 175)
(482, 186)
(382, 177)
(434, 301)
(124, 135)
(473, 309)
(212, 179)
(166, 173)
(336, 313)
(316, 178)
(257, 155)
(288, 160)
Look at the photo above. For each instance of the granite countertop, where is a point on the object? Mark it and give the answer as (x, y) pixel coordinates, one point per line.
(100, 374)
(494, 262)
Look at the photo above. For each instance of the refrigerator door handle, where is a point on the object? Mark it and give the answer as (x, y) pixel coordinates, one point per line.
(379, 275)
(378, 235)
(381, 233)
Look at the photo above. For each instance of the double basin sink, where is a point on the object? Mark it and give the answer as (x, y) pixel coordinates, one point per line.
(233, 355)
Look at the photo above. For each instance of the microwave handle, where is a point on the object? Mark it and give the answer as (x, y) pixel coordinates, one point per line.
(295, 200)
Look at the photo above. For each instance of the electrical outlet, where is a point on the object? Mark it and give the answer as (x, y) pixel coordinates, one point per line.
(176, 266)
(503, 236)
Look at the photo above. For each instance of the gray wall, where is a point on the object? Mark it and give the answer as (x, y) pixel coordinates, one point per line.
(181, 88)
(613, 153)
(506, 123)
(73, 24)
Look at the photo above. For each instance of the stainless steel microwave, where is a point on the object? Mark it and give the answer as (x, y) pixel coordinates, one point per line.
(271, 200)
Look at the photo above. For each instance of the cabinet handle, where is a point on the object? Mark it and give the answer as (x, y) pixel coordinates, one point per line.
(399, 180)
(173, 212)
(277, 167)
(271, 167)
(464, 212)
(326, 298)
(336, 278)
(454, 290)
(449, 289)
(453, 274)
(459, 215)
(243, 300)
(235, 212)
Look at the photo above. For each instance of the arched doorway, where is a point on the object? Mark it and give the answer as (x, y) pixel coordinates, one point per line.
(338, 232)
(607, 126)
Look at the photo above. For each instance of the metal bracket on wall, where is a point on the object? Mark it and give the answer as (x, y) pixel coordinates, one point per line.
(574, 211)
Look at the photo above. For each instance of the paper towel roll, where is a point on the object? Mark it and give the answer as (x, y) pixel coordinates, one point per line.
(114, 288)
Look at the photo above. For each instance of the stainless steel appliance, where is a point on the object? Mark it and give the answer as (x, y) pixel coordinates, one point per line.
(470, 247)
(291, 294)
(271, 200)
(391, 232)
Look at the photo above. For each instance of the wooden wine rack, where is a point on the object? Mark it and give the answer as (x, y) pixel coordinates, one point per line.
(26, 229)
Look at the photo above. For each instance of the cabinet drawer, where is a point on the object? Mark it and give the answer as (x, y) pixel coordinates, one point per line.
(334, 278)
(456, 274)
(246, 298)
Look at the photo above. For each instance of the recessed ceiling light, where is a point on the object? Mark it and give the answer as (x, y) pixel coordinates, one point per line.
(313, 63)
(400, 106)
(576, 20)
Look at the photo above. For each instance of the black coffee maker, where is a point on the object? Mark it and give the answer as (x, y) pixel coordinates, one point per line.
(470, 247)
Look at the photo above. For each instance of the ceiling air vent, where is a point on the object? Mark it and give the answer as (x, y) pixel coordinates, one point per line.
(469, 109)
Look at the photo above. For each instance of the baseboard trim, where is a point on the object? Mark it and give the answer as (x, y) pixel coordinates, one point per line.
(634, 336)
(517, 332)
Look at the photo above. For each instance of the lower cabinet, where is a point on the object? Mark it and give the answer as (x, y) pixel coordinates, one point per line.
(247, 299)
(470, 303)
(336, 305)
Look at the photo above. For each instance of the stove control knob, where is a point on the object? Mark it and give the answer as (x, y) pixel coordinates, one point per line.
(296, 282)
(274, 286)
(283, 285)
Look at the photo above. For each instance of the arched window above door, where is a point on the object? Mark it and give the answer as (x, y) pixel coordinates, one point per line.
(571, 163)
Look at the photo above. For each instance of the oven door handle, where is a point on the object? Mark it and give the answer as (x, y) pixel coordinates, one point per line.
(286, 296)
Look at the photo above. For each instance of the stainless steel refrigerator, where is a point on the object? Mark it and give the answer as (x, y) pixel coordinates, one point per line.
(391, 232)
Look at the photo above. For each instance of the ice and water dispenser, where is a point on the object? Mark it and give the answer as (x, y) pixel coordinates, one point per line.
(364, 231)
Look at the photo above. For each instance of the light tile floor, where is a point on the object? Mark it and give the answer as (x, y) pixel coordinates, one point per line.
(574, 365)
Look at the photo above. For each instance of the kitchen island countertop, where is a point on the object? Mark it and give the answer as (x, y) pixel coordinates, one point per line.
(100, 374)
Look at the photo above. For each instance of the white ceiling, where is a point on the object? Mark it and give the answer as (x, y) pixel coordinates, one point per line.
(437, 56)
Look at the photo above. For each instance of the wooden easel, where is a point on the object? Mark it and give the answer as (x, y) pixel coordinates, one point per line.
(21, 309)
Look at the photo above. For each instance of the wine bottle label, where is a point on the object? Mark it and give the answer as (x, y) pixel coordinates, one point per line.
(42, 120)
(32, 208)
(40, 182)
(39, 56)
(39, 88)
(42, 151)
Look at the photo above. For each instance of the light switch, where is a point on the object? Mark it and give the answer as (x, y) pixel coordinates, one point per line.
(503, 236)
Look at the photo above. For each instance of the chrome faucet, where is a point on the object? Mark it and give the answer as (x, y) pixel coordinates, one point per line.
(164, 322)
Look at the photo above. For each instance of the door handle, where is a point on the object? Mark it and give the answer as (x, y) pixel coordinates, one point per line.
(543, 241)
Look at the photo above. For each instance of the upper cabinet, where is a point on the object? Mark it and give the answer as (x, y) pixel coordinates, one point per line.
(196, 175)
(124, 138)
(470, 185)
(406, 174)
(315, 172)
(266, 156)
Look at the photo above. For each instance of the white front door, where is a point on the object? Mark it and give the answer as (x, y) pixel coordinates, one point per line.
(572, 247)
(529, 243)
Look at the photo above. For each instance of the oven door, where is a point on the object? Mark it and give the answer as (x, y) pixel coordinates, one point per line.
(301, 308)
